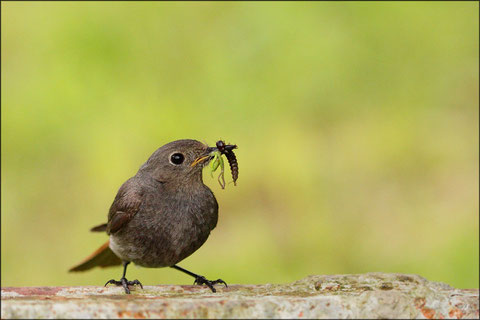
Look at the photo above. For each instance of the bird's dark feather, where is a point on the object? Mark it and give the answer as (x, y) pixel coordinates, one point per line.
(100, 228)
(125, 206)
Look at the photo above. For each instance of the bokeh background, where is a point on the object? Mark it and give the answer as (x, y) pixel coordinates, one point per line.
(357, 126)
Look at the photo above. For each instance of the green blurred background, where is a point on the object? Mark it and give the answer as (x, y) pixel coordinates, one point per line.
(357, 127)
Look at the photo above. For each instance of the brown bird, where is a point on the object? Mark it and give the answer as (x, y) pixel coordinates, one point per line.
(161, 215)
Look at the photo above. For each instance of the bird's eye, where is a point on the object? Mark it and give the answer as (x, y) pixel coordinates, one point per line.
(177, 158)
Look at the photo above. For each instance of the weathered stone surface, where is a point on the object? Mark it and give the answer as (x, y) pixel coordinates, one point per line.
(371, 295)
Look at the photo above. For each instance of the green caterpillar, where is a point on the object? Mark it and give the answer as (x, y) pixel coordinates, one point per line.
(216, 162)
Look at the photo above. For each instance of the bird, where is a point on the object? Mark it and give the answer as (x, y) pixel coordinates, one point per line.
(161, 215)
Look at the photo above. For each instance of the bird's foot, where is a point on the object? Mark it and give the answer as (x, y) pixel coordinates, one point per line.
(124, 283)
(202, 280)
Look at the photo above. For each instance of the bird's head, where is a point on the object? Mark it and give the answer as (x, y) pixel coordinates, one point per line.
(180, 160)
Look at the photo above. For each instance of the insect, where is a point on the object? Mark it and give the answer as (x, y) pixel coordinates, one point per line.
(216, 162)
(227, 150)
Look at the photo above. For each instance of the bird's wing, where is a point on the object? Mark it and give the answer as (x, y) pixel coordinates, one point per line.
(125, 206)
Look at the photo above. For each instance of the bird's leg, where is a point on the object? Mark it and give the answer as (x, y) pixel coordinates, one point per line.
(201, 279)
(123, 281)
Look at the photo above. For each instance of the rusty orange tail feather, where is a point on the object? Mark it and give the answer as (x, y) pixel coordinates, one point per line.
(102, 257)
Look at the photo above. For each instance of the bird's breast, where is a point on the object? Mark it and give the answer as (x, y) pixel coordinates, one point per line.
(166, 230)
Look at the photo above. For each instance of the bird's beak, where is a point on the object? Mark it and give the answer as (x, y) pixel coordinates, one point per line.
(207, 156)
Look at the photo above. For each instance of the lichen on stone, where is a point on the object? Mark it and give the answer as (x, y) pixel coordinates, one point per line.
(370, 295)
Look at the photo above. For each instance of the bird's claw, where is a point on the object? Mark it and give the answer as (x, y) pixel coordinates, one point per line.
(124, 283)
(210, 283)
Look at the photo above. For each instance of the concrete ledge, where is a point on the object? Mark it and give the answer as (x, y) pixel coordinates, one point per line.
(371, 295)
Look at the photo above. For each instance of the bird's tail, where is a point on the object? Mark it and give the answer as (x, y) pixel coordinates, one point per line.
(102, 257)
(100, 228)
